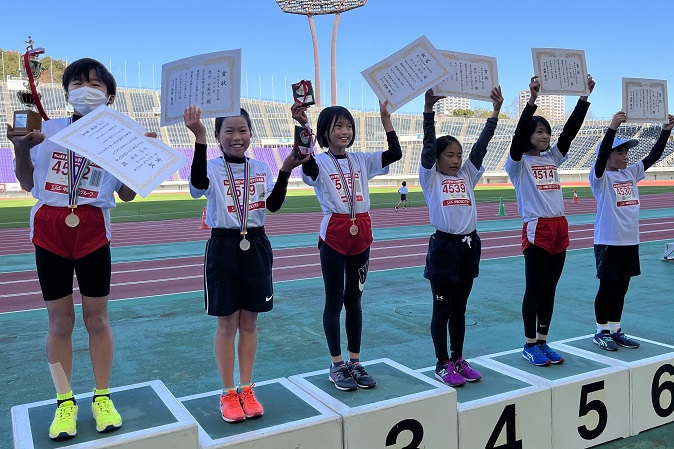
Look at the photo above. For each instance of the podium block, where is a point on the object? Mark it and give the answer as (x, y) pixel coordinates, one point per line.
(502, 410)
(151, 419)
(651, 368)
(590, 399)
(404, 410)
(292, 419)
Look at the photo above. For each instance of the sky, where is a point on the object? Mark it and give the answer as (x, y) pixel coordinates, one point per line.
(621, 38)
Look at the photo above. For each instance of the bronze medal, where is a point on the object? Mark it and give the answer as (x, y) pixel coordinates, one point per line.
(244, 244)
(353, 230)
(72, 220)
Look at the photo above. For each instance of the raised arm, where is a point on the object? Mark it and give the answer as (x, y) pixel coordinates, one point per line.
(659, 147)
(520, 141)
(24, 165)
(479, 149)
(606, 145)
(428, 152)
(575, 121)
(394, 152)
(198, 173)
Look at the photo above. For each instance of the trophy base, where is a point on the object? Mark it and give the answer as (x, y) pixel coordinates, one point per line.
(24, 122)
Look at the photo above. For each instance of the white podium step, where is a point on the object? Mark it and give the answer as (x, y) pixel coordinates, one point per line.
(151, 419)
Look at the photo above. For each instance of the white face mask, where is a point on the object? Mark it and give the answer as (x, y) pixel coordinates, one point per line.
(85, 99)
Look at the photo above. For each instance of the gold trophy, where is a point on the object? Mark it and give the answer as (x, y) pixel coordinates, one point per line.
(30, 118)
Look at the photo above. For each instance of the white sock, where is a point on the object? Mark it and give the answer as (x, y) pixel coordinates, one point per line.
(614, 326)
(602, 327)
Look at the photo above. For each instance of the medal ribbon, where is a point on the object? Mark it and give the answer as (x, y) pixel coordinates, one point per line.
(241, 209)
(75, 175)
(350, 194)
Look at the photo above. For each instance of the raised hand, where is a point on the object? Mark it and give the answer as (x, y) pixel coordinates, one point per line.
(534, 88)
(618, 118)
(192, 117)
(496, 99)
(670, 124)
(430, 99)
(299, 113)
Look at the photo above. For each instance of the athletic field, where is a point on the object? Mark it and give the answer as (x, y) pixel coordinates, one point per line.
(161, 331)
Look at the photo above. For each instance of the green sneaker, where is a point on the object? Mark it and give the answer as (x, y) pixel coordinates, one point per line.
(65, 421)
(106, 416)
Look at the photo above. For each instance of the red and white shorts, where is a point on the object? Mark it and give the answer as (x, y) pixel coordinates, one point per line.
(551, 234)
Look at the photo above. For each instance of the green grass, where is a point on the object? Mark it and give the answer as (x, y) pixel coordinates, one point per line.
(165, 206)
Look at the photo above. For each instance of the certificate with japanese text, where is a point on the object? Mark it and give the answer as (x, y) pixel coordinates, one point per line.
(645, 100)
(471, 76)
(116, 143)
(211, 81)
(561, 71)
(407, 73)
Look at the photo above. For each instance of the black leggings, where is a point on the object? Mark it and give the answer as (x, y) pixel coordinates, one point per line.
(542, 271)
(338, 294)
(449, 312)
(610, 299)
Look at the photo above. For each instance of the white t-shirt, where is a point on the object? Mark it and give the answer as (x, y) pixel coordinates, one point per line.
(328, 184)
(451, 199)
(50, 177)
(220, 207)
(617, 194)
(403, 190)
(537, 185)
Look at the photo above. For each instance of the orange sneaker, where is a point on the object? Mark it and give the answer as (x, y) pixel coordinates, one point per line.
(230, 407)
(251, 407)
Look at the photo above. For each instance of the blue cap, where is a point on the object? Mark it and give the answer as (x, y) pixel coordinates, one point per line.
(618, 142)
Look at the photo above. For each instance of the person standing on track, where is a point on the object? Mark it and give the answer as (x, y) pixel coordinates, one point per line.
(532, 167)
(238, 261)
(340, 179)
(453, 257)
(616, 227)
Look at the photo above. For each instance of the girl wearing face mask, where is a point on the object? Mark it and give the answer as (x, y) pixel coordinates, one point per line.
(532, 167)
(70, 228)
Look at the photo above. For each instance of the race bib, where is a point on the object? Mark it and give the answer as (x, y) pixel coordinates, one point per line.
(624, 194)
(545, 177)
(57, 176)
(455, 193)
(257, 193)
(337, 181)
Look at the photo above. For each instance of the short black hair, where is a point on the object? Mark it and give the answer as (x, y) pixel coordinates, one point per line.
(81, 68)
(404, 183)
(533, 124)
(244, 114)
(443, 142)
(326, 121)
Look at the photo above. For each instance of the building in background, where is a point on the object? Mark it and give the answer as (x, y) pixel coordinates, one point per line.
(450, 104)
(552, 107)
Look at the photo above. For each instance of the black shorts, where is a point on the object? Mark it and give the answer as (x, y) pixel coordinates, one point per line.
(403, 196)
(617, 262)
(235, 279)
(55, 273)
(453, 257)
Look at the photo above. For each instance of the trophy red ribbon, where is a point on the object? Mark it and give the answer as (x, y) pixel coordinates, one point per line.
(31, 80)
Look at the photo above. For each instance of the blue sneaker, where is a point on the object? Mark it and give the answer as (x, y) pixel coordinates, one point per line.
(604, 341)
(550, 354)
(535, 356)
(622, 340)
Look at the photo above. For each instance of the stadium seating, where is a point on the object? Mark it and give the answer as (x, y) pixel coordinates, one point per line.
(273, 132)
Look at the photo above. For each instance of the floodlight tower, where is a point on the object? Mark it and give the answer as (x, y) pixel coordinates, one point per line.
(312, 8)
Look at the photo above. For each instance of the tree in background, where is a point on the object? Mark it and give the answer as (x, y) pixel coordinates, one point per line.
(52, 69)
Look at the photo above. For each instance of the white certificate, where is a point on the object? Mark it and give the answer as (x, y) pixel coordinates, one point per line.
(116, 143)
(211, 81)
(645, 100)
(471, 76)
(561, 71)
(407, 73)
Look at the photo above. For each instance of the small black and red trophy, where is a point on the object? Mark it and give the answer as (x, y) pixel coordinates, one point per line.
(303, 93)
(28, 119)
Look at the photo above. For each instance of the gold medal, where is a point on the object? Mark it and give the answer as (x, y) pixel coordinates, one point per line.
(72, 220)
(353, 230)
(244, 244)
